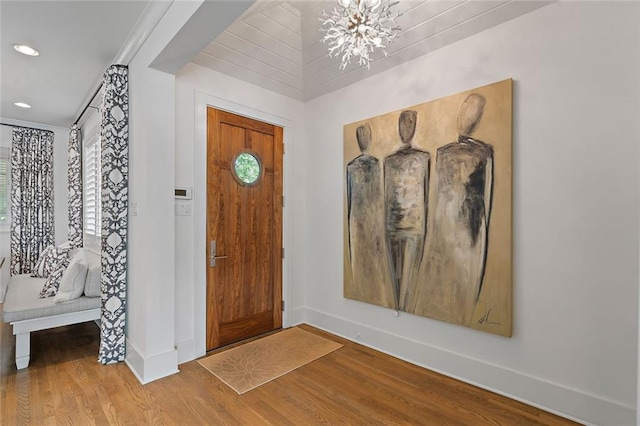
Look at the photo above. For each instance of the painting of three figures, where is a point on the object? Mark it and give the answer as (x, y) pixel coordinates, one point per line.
(427, 227)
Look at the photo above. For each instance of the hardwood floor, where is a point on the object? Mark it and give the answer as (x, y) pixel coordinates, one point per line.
(64, 384)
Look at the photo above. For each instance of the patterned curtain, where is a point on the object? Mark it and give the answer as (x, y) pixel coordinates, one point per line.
(74, 176)
(31, 197)
(114, 128)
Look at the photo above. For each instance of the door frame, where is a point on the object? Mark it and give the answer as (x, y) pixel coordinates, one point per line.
(203, 101)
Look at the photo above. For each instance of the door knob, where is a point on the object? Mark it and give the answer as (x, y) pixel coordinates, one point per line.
(212, 255)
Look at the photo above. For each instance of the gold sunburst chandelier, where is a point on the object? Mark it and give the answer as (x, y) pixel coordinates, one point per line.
(355, 28)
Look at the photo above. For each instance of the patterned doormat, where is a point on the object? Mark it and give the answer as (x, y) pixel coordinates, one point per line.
(253, 364)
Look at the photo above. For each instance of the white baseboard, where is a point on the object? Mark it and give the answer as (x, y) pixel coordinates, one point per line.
(186, 351)
(298, 316)
(151, 368)
(552, 397)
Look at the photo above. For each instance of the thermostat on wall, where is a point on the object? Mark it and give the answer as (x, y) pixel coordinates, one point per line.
(183, 193)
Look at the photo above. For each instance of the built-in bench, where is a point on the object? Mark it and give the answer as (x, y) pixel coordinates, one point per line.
(26, 311)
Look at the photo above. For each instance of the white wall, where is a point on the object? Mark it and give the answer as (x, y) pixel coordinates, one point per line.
(576, 108)
(60, 190)
(151, 352)
(575, 341)
(195, 87)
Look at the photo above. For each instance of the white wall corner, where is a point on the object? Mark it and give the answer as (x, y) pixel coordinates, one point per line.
(148, 369)
(551, 397)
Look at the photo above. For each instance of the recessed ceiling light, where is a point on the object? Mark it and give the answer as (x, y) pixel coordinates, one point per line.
(22, 105)
(26, 50)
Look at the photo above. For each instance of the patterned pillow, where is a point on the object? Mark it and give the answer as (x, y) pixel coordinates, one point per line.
(54, 256)
(40, 270)
(59, 263)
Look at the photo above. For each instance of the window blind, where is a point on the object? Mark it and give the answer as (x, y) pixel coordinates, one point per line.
(92, 183)
(4, 184)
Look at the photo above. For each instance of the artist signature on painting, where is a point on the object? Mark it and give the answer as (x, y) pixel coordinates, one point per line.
(485, 319)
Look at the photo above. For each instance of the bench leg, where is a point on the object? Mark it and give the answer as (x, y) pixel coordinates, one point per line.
(23, 344)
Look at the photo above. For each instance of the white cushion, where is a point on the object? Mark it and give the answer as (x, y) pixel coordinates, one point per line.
(73, 278)
(92, 283)
(74, 251)
(22, 301)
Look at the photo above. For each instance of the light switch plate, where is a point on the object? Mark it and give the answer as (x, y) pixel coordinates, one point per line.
(183, 208)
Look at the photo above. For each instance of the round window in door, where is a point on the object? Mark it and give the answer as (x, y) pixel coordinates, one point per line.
(247, 168)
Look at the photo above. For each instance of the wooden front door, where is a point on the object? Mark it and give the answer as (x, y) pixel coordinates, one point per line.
(244, 227)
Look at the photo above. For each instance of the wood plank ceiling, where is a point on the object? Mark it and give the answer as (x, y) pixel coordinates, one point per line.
(276, 44)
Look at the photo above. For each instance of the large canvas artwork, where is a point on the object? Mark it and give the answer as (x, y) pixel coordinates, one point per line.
(427, 226)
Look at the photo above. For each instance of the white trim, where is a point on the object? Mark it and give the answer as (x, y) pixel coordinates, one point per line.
(186, 350)
(298, 316)
(199, 196)
(552, 397)
(153, 368)
(147, 22)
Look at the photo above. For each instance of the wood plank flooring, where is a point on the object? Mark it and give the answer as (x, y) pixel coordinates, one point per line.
(64, 384)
